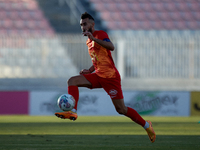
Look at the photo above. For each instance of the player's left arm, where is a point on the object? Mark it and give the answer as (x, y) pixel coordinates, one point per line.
(105, 43)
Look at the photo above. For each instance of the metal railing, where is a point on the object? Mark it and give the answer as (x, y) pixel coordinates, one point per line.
(138, 55)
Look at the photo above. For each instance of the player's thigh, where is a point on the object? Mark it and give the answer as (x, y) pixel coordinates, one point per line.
(94, 80)
(79, 81)
(113, 87)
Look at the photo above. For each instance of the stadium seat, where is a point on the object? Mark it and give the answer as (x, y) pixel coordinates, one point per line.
(123, 7)
(99, 7)
(140, 16)
(180, 25)
(196, 15)
(181, 6)
(106, 15)
(187, 16)
(19, 16)
(175, 16)
(36, 14)
(134, 7)
(7, 23)
(156, 14)
(193, 25)
(25, 15)
(19, 24)
(158, 6)
(169, 6)
(128, 16)
(152, 16)
(163, 16)
(193, 5)
(146, 6)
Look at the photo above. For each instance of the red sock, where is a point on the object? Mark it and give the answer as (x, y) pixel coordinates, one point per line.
(131, 113)
(73, 90)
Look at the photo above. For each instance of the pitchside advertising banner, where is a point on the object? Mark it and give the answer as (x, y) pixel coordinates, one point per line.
(14, 102)
(195, 103)
(97, 102)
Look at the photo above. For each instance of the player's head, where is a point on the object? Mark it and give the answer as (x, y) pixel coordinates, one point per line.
(87, 22)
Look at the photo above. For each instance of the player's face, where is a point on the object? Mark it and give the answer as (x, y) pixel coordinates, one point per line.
(86, 25)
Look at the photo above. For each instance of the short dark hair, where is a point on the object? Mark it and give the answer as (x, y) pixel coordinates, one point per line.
(86, 15)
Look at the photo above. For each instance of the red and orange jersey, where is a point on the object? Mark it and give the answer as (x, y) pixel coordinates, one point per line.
(101, 57)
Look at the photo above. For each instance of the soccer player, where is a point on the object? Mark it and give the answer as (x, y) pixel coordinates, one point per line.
(102, 74)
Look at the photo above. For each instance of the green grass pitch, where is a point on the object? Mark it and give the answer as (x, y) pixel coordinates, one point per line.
(97, 133)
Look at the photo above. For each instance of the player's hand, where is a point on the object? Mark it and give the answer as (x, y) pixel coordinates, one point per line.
(85, 71)
(89, 34)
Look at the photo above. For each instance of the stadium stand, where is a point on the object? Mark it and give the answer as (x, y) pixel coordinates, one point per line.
(23, 17)
(149, 15)
(29, 47)
(155, 41)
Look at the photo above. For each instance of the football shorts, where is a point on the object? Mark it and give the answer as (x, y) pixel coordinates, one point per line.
(111, 85)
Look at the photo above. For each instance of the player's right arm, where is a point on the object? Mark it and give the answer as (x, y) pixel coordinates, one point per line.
(87, 71)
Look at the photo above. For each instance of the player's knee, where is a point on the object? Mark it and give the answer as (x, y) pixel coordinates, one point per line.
(72, 81)
(121, 111)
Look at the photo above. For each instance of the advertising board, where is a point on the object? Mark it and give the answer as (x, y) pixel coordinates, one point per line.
(14, 102)
(97, 102)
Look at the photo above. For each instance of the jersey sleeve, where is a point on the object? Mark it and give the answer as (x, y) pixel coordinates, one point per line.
(103, 35)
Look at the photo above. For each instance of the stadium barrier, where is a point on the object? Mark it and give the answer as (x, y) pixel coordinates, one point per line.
(97, 102)
(195, 103)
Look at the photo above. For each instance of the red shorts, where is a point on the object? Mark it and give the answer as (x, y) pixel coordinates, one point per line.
(111, 85)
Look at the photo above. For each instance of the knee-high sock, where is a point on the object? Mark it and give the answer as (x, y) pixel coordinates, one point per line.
(73, 90)
(133, 114)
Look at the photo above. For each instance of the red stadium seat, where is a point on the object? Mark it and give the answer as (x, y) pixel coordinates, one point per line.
(193, 6)
(146, 6)
(168, 25)
(141, 16)
(106, 15)
(158, 6)
(196, 15)
(176, 16)
(180, 25)
(135, 7)
(152, 16)
(19, 24)
(181, 6)
(193, 25)
(169, 6)
(163, 16)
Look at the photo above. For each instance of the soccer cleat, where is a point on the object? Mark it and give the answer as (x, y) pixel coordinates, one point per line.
(150, 132)
(67, 115)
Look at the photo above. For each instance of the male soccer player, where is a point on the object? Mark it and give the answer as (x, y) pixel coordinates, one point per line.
(106, 75)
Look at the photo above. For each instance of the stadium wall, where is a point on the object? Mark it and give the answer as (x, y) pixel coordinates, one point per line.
(97, 102)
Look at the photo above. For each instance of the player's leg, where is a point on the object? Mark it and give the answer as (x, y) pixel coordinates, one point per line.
(133, 115)
(113, 87)
(73, 84)
(127, 111)
(86, 80)
(79, 81)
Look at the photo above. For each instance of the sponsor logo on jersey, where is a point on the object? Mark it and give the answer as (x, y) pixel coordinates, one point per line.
(113, 93)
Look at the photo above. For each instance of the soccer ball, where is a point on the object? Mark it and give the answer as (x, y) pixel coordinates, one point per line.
(66, 102)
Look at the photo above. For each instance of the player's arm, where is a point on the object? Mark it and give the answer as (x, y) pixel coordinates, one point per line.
(106, 44)
(87, 71)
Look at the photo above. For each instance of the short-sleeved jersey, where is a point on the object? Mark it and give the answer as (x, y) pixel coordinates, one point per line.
(101, 57)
